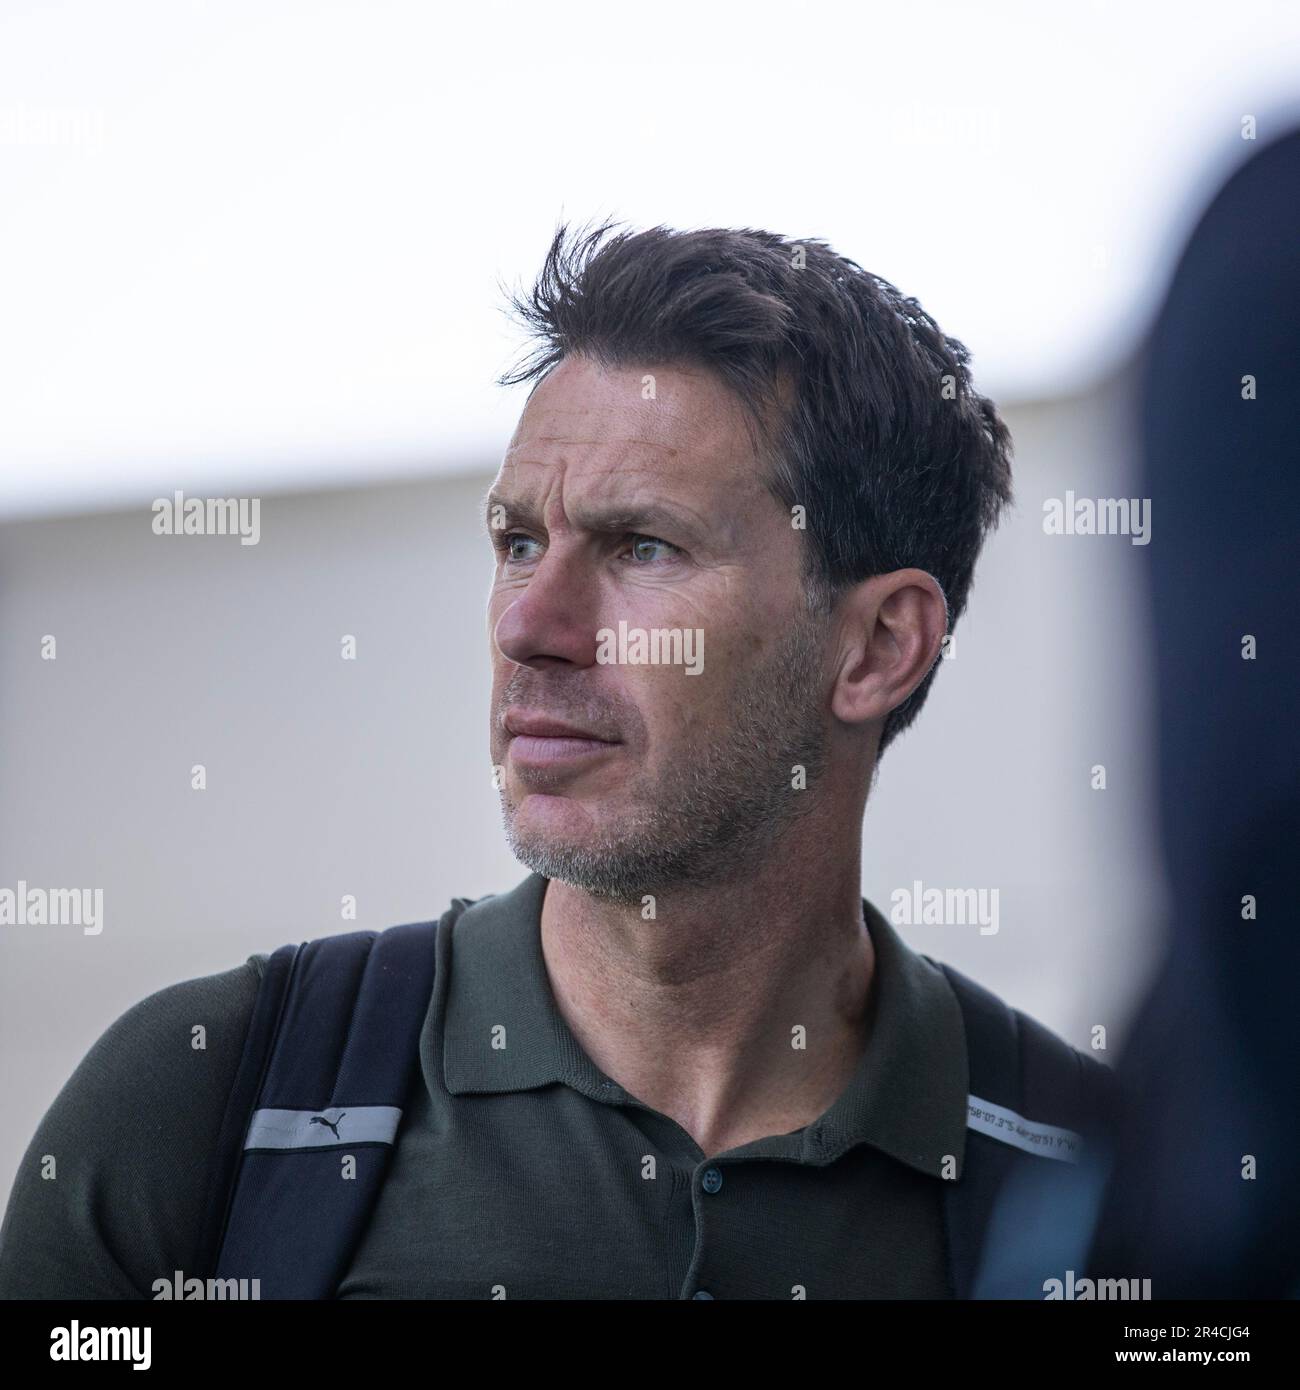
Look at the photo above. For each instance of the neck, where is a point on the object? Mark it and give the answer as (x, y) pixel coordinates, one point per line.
(740, 1009)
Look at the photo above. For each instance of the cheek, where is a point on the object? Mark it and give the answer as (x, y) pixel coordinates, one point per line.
(734, 643)
(676, 705)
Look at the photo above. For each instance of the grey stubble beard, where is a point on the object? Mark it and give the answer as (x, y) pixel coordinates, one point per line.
(713, 814)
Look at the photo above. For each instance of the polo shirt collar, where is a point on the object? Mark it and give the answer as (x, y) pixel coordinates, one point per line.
(503, 1031)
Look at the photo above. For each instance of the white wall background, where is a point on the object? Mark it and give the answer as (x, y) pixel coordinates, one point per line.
(372, 778)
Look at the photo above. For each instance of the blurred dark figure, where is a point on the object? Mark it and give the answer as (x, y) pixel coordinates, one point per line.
(1210, 1089)
(1211, 1068)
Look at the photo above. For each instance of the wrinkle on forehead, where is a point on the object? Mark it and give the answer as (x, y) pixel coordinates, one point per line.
(621, 439)
(609, 401)
(602, 465)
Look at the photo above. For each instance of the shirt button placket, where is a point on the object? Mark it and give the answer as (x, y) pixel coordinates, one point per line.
(710, 1181)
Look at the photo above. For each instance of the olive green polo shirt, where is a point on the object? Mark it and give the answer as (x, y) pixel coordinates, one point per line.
(519, 1171)
(535, 1175)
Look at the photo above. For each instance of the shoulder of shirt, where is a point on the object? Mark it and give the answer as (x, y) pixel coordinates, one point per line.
(1095, 1082)
(132, 1129)
(224, 998)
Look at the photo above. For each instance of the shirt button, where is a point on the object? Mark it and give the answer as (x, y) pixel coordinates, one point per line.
(701, 1293)
(712, 1180)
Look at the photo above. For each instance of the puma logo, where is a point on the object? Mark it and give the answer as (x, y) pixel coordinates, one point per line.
(331, 1125)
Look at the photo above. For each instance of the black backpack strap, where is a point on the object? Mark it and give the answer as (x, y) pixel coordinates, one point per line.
(241, 1103)
(330, 1055)
(1037, 1123)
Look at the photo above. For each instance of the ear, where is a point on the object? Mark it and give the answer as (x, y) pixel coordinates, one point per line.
(891, 629)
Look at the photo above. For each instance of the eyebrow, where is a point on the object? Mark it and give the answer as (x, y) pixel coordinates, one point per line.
(640, 517)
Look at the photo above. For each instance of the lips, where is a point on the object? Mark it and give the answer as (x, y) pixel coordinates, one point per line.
(520, 722)
(540, 743)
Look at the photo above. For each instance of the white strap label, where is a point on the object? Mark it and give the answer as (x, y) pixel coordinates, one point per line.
(318, 1129)
(1048, 1141)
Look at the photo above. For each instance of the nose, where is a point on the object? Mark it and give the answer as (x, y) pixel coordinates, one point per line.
(553, 618)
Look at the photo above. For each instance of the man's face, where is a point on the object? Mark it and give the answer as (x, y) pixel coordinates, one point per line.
(620, 517)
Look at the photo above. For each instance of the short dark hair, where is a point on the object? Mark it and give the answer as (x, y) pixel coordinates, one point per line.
(863, 409)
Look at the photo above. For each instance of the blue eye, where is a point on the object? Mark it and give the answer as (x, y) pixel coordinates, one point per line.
(638, 541)
(644, 550)
(507, 544)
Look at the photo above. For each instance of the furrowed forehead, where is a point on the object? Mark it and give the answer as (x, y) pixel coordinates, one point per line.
(615, 459)
(669, 408)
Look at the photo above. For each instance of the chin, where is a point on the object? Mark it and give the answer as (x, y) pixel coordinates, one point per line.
(549, 820)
